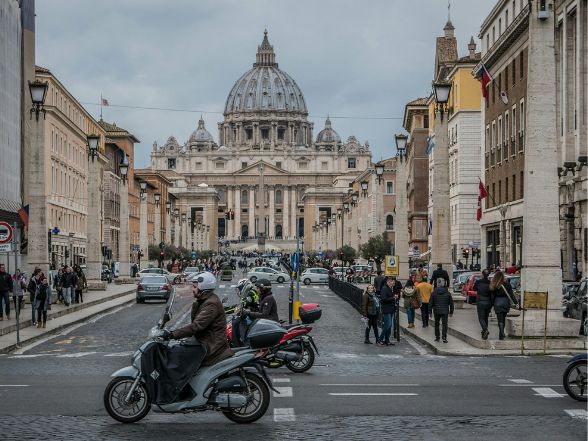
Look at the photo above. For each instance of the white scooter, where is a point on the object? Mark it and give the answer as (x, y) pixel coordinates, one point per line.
(167, 377)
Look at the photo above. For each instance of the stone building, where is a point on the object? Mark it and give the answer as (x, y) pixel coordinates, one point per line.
(571, 60)
(416, 123)
(264, 163)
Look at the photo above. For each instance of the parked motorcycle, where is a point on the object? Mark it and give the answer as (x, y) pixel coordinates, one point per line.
(296, 349)
(575, 379)
(168, 377)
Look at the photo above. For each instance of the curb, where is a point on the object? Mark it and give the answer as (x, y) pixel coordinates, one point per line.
(78, 307)
(58, 328)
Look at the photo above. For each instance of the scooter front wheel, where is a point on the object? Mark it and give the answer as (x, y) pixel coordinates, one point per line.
(116, 404)
(575, 380)
(258, 399)
(305, 362)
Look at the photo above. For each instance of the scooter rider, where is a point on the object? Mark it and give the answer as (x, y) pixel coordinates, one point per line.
(208, 321)
(268, 308)
(249, 300)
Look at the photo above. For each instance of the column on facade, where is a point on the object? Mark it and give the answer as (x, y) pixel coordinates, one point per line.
(124, 266)
(401, 218)
(237, 221)
(229, 230)
(286, 212)
(272, 228)
(168, 226)
(293, 213)
(251, 211)
(143, 239)
(157, 223)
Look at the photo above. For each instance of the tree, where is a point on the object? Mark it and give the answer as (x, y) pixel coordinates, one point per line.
(346, 254)
(376, 249)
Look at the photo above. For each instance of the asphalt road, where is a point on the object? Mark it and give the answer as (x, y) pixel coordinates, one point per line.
(54, 389)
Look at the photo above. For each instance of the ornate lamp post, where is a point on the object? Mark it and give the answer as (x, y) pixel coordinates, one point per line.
(38, 90)
(124, 267)
(379, 172)
(364, 188)
(401, 238)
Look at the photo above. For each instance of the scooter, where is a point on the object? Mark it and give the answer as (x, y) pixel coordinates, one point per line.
(575, 379)
(296, 349)
(167, 377)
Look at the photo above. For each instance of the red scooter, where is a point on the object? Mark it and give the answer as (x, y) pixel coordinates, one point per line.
(296, 350)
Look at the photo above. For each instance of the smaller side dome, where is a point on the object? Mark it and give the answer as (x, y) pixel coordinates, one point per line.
(328, 135)
(201, 134)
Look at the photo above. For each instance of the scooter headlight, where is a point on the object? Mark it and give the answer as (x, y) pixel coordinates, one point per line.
(154, 333)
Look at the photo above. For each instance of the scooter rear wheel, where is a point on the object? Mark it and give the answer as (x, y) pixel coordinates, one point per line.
(575, 380)
(116, 406)
(305, 363)
(259, 399)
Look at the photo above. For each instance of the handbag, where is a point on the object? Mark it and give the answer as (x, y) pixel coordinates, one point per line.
(414, 303)
(514, 310)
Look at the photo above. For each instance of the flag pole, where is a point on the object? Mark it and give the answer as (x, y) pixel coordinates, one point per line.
(100, 106)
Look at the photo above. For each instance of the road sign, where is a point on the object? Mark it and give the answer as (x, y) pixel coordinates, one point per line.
(5, 248)
(194, 255)
(391, 267)
(6, 233)
(294, 262)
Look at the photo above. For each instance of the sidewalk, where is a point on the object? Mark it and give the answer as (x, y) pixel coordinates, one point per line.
(464, 336)
(60, 316)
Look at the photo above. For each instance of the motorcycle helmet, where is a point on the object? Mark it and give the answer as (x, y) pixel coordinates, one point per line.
(263, 284)
(206, 281)
(242, 284)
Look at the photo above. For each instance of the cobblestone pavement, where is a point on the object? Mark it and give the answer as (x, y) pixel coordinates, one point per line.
(354, 391)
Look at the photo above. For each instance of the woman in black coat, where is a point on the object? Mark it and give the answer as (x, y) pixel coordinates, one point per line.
(502, 298)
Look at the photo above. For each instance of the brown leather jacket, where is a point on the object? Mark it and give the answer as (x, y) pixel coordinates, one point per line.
(209, 327)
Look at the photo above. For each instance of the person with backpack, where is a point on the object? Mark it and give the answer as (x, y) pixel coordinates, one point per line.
(388, 299)
(442, 305)
(370, 307)
(43, 301)
(412, 301)
(502, 299)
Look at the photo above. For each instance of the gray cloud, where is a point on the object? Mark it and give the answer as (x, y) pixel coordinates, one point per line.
(349, 57)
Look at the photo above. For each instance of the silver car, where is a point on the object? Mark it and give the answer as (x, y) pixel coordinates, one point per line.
(153, 287)
(315, 275)
(264, 272)
(171, 277)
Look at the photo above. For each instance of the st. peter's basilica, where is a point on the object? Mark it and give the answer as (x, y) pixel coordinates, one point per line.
(266, 153)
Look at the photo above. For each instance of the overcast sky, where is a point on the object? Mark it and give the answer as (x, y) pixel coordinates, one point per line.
(352, 58)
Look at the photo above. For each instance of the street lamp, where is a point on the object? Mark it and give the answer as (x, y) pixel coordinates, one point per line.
(183, 217)
(157, 197)
(379, 172)
(364, 188)
(124, 168)
(442, 90)
(38, 90)
(354, 198)
(168, 206)
(401, 141)
(339, 212)
(143, 186)
(93, 141)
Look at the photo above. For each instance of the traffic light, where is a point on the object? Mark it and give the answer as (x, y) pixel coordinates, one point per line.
(228, 215)
(465, 252)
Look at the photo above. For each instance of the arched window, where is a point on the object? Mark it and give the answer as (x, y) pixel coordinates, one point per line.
(389, 222)
(278, 196)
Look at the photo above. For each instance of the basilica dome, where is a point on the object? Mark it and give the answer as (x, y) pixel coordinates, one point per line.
(265, 87)
(328, 134)
(201, 134)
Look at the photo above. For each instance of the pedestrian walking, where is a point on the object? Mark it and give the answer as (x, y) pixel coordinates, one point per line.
(32, 288)
(69, 284)
(80, 285)
(379, 282)
(439, 273)
(6, 287)
(388, 300)
(18, 290)
(43, 301)
(412, 301)
(424, 290)
(483, 302)
(370, 307)
(442, 306)
(502, 299)
(58, 284)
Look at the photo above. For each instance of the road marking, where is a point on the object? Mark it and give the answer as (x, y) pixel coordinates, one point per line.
(345, 355)
(280, 380)
(577, 414)
(373, 394)
(396, 356)
(280, 286)
(530, 385)
(284, 415)
(559, 356)
(14, 385)
(547, 392)
(368, 385)
(120, 354)
(27, 356)
(326, 295)
(233, 286)
(519, 380)
(76, 355)
(283, 392)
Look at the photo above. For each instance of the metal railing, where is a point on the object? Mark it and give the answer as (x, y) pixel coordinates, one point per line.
(347, 291)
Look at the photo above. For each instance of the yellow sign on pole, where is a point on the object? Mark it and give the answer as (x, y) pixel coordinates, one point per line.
(535, 300)
(391, 267)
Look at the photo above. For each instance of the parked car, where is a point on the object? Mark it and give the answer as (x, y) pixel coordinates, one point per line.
(153, 287)
(190, 270)
(468, 287)
(264, 272)
(315, 275)
(576, 306)
(459, 281)
(340, 272)
(171, 277)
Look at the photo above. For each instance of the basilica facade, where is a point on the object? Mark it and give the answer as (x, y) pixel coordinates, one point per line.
(268, 177)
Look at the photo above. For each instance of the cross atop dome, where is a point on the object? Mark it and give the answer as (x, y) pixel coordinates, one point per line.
(265, 53)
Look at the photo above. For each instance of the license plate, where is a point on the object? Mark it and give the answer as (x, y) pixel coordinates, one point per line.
(152, 288)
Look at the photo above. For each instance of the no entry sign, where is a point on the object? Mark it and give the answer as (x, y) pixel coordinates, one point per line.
(6, 233)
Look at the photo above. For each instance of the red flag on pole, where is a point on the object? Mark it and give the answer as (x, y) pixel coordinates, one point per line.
(482, 195)
(486, 78)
